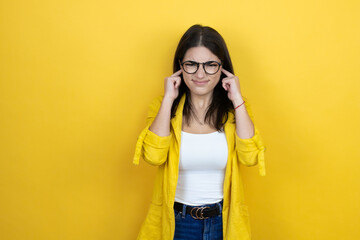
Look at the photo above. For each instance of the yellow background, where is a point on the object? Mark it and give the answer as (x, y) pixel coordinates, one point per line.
(76, 81)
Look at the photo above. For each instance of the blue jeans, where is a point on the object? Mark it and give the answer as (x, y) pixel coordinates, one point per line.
(188, 228)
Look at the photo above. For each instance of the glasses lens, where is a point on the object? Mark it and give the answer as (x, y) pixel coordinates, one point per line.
(212, 67)
(190, 67)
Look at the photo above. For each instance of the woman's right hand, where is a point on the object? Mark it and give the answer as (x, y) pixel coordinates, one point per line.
(171, 85)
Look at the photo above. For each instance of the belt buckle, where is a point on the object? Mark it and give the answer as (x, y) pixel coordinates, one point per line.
(197, 216)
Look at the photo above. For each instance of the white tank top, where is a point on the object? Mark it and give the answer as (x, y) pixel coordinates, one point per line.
(202, 166)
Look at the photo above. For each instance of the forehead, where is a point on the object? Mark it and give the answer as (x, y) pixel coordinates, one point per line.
(200, 54)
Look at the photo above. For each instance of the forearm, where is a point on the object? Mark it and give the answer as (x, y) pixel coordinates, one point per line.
(244, 125)
(161, 123)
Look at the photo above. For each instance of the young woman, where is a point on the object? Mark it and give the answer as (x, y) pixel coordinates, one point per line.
(197, 134)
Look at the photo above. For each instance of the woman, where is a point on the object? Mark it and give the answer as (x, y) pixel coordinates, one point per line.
(197, 134)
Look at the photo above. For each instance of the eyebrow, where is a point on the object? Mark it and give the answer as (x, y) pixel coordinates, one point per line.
(202, 62)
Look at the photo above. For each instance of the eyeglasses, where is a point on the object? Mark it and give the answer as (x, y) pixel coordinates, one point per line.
(210, 67)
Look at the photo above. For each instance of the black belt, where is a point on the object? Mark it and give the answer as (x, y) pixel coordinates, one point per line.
(198, 212)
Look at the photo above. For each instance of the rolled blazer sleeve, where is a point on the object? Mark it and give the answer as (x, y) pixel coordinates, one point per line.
(250, 151)
(151, 147)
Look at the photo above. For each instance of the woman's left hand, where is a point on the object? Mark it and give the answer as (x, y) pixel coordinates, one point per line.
(232, 86)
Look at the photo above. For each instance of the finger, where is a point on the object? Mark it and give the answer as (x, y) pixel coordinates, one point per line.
(227, 81)
(177, 83)
(224, 85)
(177, 73)
(227, 73)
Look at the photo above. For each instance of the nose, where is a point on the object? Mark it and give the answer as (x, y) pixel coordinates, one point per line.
(200, 73)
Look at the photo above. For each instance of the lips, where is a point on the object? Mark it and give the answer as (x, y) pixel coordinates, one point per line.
(200, 83)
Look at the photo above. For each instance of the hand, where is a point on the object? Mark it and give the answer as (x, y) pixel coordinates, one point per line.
(232, 86)
(172, 84)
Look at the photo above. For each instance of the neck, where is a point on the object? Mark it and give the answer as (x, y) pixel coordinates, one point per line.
(201, 102)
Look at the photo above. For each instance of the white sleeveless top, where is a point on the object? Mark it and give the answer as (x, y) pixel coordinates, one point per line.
(202, 166)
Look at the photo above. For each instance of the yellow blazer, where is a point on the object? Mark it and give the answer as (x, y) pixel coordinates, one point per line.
(163, 152)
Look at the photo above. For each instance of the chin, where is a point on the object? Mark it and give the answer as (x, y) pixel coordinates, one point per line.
(200, 92)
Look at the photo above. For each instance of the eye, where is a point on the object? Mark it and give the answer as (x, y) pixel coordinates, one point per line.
(212, 64)
(190, 64)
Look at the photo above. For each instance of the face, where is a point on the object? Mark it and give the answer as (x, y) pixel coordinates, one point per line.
(200, 83)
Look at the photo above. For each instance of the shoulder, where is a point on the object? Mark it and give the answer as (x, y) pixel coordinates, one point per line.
(155, 104)
(157, 100)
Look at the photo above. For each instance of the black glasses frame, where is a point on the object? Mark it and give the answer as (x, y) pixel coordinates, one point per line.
(198, 64)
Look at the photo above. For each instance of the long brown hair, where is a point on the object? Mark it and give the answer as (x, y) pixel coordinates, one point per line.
(198, 35)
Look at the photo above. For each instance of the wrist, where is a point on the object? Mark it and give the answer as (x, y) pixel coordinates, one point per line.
(168, 100)
(236, 102)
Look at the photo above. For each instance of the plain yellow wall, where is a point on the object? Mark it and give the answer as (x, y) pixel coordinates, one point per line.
(76, 81)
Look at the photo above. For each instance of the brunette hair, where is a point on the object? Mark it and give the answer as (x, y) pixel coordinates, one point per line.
(198, 35)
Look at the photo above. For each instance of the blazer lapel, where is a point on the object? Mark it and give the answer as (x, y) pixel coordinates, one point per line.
(176, 122)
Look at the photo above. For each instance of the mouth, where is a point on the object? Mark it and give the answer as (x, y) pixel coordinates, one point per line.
(200, 83)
